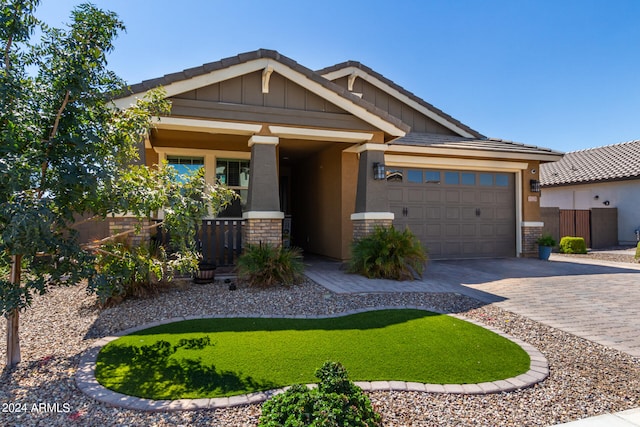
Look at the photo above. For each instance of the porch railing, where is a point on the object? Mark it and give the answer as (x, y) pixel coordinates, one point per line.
(220, 240)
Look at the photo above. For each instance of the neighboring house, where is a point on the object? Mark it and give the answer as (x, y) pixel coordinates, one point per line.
(337, 151)
(598, 179)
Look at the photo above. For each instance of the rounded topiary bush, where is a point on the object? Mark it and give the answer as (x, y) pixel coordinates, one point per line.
(573, 245)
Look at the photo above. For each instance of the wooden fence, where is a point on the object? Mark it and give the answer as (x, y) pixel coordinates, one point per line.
(576, 223)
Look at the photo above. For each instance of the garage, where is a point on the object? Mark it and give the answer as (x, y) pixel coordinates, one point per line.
(456, 213)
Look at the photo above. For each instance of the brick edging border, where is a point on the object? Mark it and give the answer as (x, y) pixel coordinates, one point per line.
(87, 383)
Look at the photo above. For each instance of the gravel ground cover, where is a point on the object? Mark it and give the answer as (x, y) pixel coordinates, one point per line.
(586, 378)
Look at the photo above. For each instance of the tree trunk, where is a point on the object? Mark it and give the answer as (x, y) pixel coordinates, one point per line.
(13, 340)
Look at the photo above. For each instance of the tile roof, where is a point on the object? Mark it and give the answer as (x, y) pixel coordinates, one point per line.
(609, 163)
(400, 89)
(260, 54)
(484, 144)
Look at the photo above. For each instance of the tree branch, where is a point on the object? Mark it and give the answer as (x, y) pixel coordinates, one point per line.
(7, 50)
(124, 233)
(54, 132)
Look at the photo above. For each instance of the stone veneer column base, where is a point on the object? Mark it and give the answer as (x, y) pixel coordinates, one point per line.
(530, 233)
(366, 222)
(262, 228)
(119, 225)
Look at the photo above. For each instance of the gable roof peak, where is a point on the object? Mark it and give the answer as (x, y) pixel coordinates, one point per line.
(390, 87)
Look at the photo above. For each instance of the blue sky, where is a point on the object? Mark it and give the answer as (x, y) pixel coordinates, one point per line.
(563, 74)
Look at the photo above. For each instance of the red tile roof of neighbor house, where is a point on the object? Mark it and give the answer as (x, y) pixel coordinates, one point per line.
(615, 162)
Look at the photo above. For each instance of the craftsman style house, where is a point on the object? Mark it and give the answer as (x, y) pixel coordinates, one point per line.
(331, 153)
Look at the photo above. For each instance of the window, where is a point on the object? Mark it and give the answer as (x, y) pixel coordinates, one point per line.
(394, 175)
(432, 177)
(486, 179)
(451, 178)
(468, 178)
(414, 176)
(234, 174)
(185, 166)
(502, 180)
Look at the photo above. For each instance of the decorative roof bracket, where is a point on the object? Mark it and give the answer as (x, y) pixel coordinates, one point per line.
(266, 76)
(351, 80)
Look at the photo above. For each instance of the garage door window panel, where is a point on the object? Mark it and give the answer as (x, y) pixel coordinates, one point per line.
(486, 179)
(432, 177)
(451, 178)
(414, 176)
(468, 178)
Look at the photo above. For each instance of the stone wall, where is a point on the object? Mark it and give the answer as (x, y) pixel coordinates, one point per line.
(261, 230)
(122, 224)
(529, 237)
(364, 227)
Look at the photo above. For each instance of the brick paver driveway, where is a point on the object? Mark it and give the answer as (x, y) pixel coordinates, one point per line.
(599, 302)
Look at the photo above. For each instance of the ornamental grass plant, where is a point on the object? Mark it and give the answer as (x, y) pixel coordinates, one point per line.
(388, 254)
(265, 265)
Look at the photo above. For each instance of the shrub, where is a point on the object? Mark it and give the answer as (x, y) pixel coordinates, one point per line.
(265, 265)
(546, 240)
(638, 252)
(573, 245)
(337, 402)
(389, 254)
(125, 270)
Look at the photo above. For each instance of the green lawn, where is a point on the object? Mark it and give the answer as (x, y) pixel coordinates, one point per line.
(224, 357)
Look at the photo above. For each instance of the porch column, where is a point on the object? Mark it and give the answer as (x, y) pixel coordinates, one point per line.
(531, 231)
(263, 218)
(372, 201)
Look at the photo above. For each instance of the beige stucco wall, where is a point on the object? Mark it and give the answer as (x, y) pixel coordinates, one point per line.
(530, 200)
(319, 213)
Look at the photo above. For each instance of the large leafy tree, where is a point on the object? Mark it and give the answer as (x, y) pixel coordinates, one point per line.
(65, 151)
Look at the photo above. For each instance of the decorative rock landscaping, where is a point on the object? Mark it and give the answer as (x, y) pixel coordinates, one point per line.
(585, 378)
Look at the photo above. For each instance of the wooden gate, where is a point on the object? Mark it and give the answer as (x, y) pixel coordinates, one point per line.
(576, 223)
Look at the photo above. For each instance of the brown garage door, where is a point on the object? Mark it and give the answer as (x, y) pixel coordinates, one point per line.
(456, 214)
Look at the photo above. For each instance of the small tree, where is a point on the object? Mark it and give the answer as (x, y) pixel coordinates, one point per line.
(66, 151)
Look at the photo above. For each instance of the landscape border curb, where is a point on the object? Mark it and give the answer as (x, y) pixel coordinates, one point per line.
(86, 380)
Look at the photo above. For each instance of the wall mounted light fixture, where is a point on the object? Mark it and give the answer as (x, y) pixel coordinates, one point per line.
(534, 186)
(378, 171)
(606, 203)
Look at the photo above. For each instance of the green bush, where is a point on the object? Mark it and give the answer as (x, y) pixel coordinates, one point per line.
(337, 402)
(573, 245)
(265, 265)
(638, 252)
(125, 271)
(388, 254)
